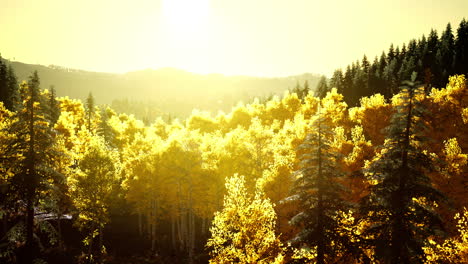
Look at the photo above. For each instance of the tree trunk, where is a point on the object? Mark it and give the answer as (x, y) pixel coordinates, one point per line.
(101, 237)
(140, 225)
(30, 181)
(29, 246)
(5, 223)
(320, 231)
(191, 235)
(173, 235)
(59, 229)
(90, 248)
(203, 226)
(148, 224)
(179, 231)
(153, 225)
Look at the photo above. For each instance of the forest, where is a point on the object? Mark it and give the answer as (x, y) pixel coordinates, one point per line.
(371, 168)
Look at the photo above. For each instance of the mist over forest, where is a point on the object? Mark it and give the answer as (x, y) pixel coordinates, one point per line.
(162, 92)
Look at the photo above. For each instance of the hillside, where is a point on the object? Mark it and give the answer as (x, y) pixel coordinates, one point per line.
(172, 91)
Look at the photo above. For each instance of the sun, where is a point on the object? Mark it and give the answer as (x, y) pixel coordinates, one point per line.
(186, 16)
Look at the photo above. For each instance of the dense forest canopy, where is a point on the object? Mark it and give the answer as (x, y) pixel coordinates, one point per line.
(434, 57)
(371, 169)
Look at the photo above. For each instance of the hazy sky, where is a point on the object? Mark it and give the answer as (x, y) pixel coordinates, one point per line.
(251, 37)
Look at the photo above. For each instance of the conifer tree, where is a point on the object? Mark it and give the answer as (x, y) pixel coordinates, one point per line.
(53, 107)
(322, 87)
(447, 50)
(337, 81)
(8, 86)
(104, 129)
(89, 108)
(319, 195)
(305, 90)
(35, 146)
(399, 207)
(461, 48)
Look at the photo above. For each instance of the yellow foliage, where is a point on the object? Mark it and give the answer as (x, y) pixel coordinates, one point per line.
(239, 116)
(454, 157)
(373, 115)
(244, 231)
(465, 115)
(334, 108)
(93, 183)
(201, 121)
(452, 250)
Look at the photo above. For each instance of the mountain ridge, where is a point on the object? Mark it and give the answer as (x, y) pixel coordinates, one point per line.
(172, 90)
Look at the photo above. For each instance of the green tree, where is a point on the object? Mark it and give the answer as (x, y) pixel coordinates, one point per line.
(104, 128)
(89, 110)
(461, 48)
(319, 194)
(53, 107)
(399, 208)
(36, 150)
(322, 88)
(337, 81)
(8, 86)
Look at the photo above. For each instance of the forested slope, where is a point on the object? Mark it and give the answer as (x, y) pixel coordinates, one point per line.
(277, 159)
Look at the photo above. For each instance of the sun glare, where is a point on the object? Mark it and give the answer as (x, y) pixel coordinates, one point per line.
(186, 16)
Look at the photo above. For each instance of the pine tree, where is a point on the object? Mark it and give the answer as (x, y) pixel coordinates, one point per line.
(391, 53)
(390, 75)
(365, 66)
(322, 87)
(305, 90)
(373, 77)
(104, 129)
(337, 81)
(399, 208)
(447, 50)
(12, 90)
(319, 194)
(8, 86)
(297, 90)
(347, 83)
(35, 144)
(89, 110)
(53, 107)
(461, 48)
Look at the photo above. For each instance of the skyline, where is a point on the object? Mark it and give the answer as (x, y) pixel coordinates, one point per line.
(260, 38)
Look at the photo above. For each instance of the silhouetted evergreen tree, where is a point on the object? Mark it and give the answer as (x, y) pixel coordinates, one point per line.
(432, 58)
(104, 129)
(337, 80)
(399, 207)
(373, 77)
(322, 87)
(89, 110)
(53, 107)
(391, 53)
(296, 89)
(8, 86)
(446, 58)
(461, 49)
(34, 173)
(319, 194)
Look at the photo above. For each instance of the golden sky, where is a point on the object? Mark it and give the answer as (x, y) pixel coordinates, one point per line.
(247, 37)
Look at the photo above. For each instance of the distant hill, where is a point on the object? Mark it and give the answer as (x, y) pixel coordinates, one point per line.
(172, 91)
